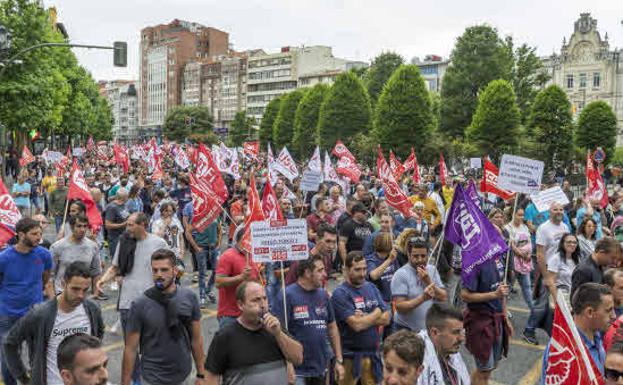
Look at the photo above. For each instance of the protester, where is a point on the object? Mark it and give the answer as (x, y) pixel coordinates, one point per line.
(164, 325)
(359, 311)
(521, 248)
(354, 231)
(607, 251)
(325, 247)
(587, 237)
(321, 215)
(57, 199)
(169, 228)
(82, 360)
(561, 266)
(382, 265)
(403, 355)
(613, 368)
(68, 313)
(21, 193)
(432, 216)
(253, 349)
(443, 337)
(116, 217)
(25, 271)
(592, 209)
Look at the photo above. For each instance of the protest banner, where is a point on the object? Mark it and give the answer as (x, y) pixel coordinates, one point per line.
(544, 199)
(518, 174)
(311, 180)
(475, 163)
(284, 240)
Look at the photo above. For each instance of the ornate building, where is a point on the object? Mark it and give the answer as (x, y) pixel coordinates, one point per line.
(588, 70)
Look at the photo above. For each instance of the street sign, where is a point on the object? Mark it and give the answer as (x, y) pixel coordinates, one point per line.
(284, 240)
(518, 174)
(599, 155)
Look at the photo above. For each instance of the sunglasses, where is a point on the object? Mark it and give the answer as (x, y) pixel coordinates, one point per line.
(613, 375)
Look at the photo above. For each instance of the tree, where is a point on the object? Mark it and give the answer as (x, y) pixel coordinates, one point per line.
(381, 69)
(527, 76)
(283, 128)
(494, 128)
(478, 57)
(597, 127)
(182, 121)
(403, 116)
(306, 119)
(102, 127)
(435, 107)
(268, 120)
(345, 111)
(240, 130)
(552, 127)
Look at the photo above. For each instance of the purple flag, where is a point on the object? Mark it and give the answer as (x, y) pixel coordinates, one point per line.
(473, 193)
(470, 229)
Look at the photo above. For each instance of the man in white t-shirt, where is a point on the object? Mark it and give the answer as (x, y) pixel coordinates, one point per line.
(548, 237)
(44, 327)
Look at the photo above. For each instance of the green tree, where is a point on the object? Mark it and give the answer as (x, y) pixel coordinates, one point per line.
(435, 107)
(283, 128)
(345, 111)
(597, 127)
(381, 69)
(102, 127)
(306, 120)
(268, 120)
(403, 116)
(494, 128)
(551, 126)
(527, 77)
(182, 122)
(478, 57)
(241, 130)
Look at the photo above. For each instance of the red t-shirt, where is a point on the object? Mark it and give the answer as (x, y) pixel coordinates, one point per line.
(230, 264)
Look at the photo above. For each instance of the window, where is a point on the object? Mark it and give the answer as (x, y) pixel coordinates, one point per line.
(596, 80)
(570, 81)
(582, 80)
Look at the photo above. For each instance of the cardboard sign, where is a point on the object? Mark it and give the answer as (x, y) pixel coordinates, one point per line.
(544, 199)
(518, 174)
(475, 163)
(311, 180)
(284, 240)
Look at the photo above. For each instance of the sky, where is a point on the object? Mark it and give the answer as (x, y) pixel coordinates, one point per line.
(355, 29)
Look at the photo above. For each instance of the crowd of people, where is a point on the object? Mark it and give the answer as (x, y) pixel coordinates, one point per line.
(380, 299)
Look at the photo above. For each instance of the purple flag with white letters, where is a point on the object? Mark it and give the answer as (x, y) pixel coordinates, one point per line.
(470, 229)
(473, 193)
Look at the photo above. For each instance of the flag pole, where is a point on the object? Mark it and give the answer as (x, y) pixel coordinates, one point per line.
(508, 252)
(283, 290)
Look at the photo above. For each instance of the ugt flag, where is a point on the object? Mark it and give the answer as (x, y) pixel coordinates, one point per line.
(469, 228)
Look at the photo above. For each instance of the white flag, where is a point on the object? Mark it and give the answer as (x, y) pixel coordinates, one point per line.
(285, 165)
(329, 171)
(315, 162)
(272, 173)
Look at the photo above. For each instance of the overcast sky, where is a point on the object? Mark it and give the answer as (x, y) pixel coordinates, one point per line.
(356, 29)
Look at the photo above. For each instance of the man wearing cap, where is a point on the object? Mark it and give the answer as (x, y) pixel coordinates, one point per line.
(354, 231)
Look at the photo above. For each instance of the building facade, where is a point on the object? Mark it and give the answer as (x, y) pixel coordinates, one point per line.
(164, 52)
(587, 69)
(123, 99)
(432, 69)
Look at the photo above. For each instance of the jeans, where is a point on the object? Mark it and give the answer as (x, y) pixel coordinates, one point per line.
(526, 288)
(124, 314)
(6, 322)
(206, 259)
(540, 314)
(58, 222)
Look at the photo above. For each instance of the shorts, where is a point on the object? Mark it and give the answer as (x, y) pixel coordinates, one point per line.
(494, 357)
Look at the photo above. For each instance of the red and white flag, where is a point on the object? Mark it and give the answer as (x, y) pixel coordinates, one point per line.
(78, 189)
(443, 170)
(382, 167)
(121, 157)
(341, 151)
(328, 171)
(568, 362)
(596, 187)
(270, 205)
(408, 164)
(286, 165)
(395, 165)
(9, 213)
(394, 195)
(270, 160)
(348, 167)
(6, 233)
(206, 205)
(206, 170)
(90, 145)
(255, 210)
(181, 158)
(251, 149)
(315, 163)
(27, 157)
(489, 181)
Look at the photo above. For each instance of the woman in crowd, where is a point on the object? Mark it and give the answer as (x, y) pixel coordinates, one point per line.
(521, 248)
(561, 266)
(587, 236)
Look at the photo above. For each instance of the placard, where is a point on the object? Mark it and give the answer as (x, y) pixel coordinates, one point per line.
(284, 240)
(78, 152)
(311, 180)
(518, 174)
(544, 199)
(475, 163)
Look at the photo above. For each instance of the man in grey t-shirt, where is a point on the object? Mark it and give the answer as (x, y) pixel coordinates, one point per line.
(166, 323)
(415, 286)
(75, 248)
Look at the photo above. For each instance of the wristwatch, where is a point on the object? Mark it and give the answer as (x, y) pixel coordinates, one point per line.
(202, 376)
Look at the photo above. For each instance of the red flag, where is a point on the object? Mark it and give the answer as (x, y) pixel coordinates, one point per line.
(394, 195)
(596, 187)
(252, 149)
(121, 157)
(568, 362)
(270, 205)
(489, 181)
(443, 170)
(9, 213)
(341, 151)
(206, 169)
(206, 205)
(78, 189)
(6, 233)
(256, 213)
(408, 164)
(90, 145)
(382, 168)
(26, 158)
(395, 165)
(346, 166)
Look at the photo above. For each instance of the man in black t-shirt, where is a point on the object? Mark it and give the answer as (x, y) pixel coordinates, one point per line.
(355, 231)
(254, 349)
(115, 218)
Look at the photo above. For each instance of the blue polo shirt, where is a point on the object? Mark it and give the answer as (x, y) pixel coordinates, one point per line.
(21, 283)
(346, 300)
(309, 313)
(384, 283)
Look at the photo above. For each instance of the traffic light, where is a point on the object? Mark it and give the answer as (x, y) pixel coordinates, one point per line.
(120, 57)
